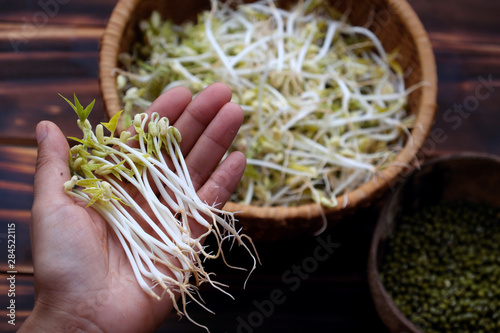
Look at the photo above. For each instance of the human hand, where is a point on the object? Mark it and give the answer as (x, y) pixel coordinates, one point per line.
(83, 280)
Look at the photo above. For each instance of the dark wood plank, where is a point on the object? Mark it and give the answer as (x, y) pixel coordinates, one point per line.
(25, 103)
(458, 16)
(466, 56)
(17, 163)
(36, 25)
(42, 65)
(21, 220)
(15, 38)
(17, 167)
(466, 43)
(15, 195)
(467, 52)
(468, 115)
(39, 13)
(16, 177)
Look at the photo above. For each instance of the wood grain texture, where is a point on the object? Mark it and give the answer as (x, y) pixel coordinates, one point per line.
(38, 60)
(467, 48)
(45, 104)
(17, 167)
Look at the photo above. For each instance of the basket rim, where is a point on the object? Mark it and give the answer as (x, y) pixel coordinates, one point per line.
(108, 53)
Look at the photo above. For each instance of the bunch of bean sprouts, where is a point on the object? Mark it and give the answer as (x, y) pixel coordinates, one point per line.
(166, 259)
(324, 102)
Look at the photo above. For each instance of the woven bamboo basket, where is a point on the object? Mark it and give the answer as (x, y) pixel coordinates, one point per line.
(396, 25)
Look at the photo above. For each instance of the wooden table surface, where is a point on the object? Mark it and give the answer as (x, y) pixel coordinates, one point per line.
(50, 47)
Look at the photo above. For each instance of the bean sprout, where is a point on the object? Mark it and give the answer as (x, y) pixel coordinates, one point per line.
(166, 259)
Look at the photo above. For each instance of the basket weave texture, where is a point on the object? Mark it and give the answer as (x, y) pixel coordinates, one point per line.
(396, 25)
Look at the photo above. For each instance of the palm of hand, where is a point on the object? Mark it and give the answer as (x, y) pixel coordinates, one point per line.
(88, 266)
(80, 266)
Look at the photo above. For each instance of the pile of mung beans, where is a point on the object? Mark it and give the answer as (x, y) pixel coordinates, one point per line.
(442, 267)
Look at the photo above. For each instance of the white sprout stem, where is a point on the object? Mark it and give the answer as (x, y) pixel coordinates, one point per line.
(218, 50)
(303, 52)
(330, 33)
(143, 186)
(136, 249)
(374, 39)
(161, 176)
(259, 43)
(138, 210)
(278, 167)
(278, 40)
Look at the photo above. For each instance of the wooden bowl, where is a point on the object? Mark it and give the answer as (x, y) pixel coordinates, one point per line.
(474, 177)
(396, 25)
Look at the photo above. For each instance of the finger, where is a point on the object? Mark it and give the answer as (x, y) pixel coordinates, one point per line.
(223, 181)
(51, 172)
(200, 112)
(170, 104)
(52, 169)
(214, 143)
(221, 184)
(193, 121)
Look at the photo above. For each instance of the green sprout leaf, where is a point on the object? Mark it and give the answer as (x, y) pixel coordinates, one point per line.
(80, 111)
(87, 142)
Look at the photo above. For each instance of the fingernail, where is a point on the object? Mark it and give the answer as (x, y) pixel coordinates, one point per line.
(41, 132)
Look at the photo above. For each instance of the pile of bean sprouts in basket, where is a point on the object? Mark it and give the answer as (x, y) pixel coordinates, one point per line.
(324, 103)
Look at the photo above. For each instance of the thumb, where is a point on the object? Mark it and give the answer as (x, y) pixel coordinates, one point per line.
(52, 169)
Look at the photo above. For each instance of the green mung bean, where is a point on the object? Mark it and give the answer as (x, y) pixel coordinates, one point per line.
(442, 267)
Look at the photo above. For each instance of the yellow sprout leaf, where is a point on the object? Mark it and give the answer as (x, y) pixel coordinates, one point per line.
(88, 182)
(113, 122)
